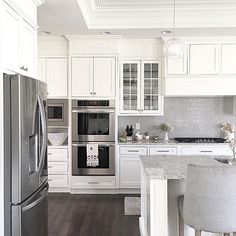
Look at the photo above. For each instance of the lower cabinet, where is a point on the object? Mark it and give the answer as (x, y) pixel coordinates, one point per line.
(130, 166)
(58, 168)
(130, 172)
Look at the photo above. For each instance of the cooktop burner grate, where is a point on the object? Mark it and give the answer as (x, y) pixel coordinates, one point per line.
(200, 140)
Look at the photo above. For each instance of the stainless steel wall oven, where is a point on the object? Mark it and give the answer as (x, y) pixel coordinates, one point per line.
(93, 122)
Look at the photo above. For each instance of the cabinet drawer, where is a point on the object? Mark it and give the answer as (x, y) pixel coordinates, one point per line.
(206, 151)
(57, 154)
(94, 183)
(57, 167)
(163, 151)
(58, 180)
(133, 151)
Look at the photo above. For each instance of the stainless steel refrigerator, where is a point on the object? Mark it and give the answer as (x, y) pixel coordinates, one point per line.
(25, 159)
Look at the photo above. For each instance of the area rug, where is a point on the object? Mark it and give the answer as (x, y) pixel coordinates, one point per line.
(132, 206)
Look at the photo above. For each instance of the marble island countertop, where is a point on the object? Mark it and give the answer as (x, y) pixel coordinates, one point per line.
(174, 167)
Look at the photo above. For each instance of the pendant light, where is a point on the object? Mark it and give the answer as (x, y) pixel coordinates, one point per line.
(174, 48)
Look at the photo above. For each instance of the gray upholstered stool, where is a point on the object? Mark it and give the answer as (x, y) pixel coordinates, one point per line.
(209, 202)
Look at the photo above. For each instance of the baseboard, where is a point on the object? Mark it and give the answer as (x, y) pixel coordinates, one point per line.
(104, 191)
(59, 190)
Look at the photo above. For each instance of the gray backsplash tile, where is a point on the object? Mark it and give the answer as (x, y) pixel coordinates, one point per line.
(191, 117)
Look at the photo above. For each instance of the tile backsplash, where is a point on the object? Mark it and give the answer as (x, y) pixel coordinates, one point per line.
(191, 117)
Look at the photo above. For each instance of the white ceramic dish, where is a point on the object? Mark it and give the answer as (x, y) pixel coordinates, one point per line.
(57, 139)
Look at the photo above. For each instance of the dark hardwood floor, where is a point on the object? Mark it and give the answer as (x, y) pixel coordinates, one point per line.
(89, 215)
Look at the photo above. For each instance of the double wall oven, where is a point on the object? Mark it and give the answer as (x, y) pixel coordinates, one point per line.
(93, 122)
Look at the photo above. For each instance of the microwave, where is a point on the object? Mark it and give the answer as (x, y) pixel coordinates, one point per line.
(57, 112)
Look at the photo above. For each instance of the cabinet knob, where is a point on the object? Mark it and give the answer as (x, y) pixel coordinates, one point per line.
(94, 93)
(91, 93)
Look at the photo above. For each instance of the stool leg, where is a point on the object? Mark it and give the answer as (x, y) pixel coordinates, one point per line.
(181, 225)
(197, 232)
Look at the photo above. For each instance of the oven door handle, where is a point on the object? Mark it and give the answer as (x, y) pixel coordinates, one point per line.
(93, 111)
(99, 144)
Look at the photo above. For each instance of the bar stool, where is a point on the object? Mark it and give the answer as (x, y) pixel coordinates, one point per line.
(209, 201)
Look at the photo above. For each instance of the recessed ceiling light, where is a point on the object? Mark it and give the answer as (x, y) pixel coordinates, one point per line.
(166, 32)
(106, 32)
(45, 32)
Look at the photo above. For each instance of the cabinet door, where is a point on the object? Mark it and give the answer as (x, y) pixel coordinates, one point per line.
(178, 66)
(228, 60)
(42, 69)
(56, 74)
(203, 59)
(11, 38)
(151, 99)
(130, 172)
(130, 87)
(82, 77)
(104, 77)
(28, 47)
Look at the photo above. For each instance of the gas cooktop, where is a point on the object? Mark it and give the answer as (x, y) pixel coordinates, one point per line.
(200, 140)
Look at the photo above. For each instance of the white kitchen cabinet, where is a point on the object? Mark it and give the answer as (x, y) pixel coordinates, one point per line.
(28, 47)
(82, 77)
(203, 59)
(58, 168)
(163, 151)
(20, 43)
(228, 59)
(11, 38)
(206, 151)
(141, 87)
(56, 77)
(178, 66)
(130, 166)
(104, 77)
(130, 172)
(93, 77)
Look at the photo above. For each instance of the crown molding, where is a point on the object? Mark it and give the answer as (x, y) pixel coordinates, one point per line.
(115, 14)
(92, 37)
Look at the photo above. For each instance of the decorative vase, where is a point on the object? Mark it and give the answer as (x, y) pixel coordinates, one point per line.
(230, 136)
(166, 137)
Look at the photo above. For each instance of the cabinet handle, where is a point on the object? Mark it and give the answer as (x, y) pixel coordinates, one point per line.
(49, 166)
(91, 93)
(94, 93)
(163, 151)
(133, 150)
(49, 153)
(49, 180)
(206, 151)
(93, 182)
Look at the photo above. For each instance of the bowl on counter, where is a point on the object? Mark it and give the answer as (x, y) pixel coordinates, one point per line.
(57, 139)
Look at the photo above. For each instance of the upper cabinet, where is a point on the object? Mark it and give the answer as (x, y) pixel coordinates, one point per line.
(20, 43)
(206, 69)
(93, 76)
(53, 71)
(203, 59)
(228, 58)
(178, 66)
(141, 88)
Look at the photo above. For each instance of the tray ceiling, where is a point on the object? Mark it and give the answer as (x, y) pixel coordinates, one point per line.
(127, 14)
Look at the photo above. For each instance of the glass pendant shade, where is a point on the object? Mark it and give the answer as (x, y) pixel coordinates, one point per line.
(174, 48)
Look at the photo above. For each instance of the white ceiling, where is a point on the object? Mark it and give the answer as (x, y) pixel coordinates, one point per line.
(138, 18)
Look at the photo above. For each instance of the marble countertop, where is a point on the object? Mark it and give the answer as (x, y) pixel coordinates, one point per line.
(174, 167)
(170, 143)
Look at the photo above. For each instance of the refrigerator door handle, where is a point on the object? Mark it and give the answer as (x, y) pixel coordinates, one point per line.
(40, 199)
(44, 131)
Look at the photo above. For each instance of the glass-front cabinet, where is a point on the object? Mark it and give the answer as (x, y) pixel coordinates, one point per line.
(141, 90)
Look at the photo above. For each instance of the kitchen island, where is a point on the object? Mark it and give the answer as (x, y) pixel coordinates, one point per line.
(162, 181)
